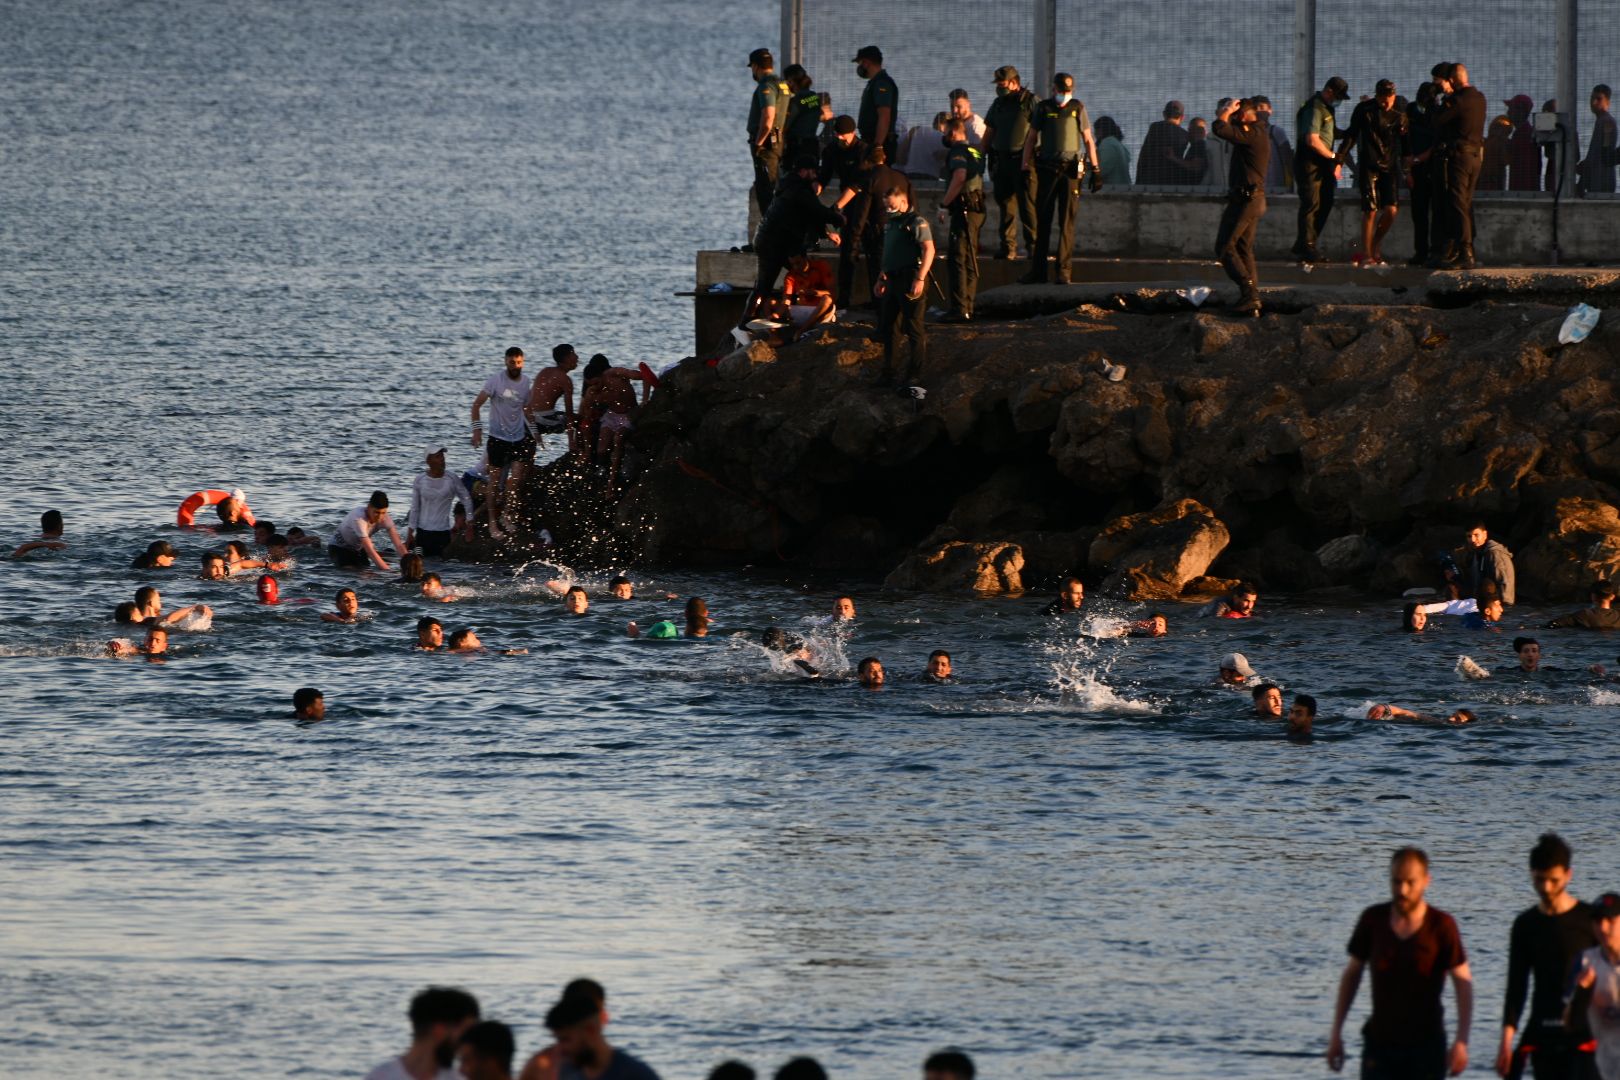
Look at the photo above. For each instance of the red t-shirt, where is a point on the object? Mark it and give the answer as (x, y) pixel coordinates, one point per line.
(818, 277)
(1407, 976)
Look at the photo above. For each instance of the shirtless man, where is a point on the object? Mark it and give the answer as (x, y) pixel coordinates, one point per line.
(575, 602)
(348, 608)
(50, 535)
(1071, 597)
(156, 643)
(844, 609)
(1395, 712)
(605, 407)
(869, 673)
(549, 385)
(429, 633)
(214, 568)
(1267, 702)
(309, 704)
(149, 608)
(939, 667)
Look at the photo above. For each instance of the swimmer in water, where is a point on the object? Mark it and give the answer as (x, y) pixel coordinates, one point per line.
(575, 602)
(128, 614)
(697, 618)
(348, 608)
(939, 667)
(50, 536)
(620, 588)
(297, 537)
(844, 609)
(149, 607)
(1301, 715)
(1152, 626)
(1071, 597)
(239, 559)
(156, 643)
(791, 648)
(1238, 604)
(429, 633)
(276, 549)
(1267, 702)
(1235, 669)
(433, 589)
(1529, 650)
(1487, 617)
(214, 568)
(262, 532)
(1395, 712)
(159, 555)
(464, 640)
(410, 569)
(231, 511)
(309, 704)
(869, 673)
(268, 589)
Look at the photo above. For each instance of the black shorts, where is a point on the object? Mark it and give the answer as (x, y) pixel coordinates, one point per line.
(432, 541)
(503, 453)
(1378, 191)
(347, 556)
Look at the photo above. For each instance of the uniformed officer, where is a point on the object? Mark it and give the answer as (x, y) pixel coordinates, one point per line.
(1059, 141)
(880, 102)
(908, 253)
(1238, 122)
(1460, 130)
(879, 179)
(767, 116)
(806, 109)
(1006, 126)
(964, 202)
(845, 160)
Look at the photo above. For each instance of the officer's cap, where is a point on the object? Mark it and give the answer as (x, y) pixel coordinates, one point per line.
(868, 52)
(762, 57)
(1007, 74)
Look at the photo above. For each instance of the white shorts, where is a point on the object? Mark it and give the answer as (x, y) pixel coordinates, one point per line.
(616, 421)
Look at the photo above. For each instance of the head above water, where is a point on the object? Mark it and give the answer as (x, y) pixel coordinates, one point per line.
(948, 1065)
(575, 601)
(939, 664)
(869, 672)
(429, 632)
(50, 523)
(1267, 700)
(309, 703)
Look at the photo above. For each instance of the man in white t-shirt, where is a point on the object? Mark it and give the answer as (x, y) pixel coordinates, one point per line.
(433, 498)
(352, 545)
(511, 442)
(438, 1015)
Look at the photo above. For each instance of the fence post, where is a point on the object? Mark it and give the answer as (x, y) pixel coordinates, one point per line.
(1304, 56)
(1044, 13)
(1569, 100)
(792, 32)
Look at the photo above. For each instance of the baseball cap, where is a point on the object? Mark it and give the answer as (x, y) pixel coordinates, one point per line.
(868, 52)
(1237, 662)
(1384, 87)
(433, 448)
(761, 57)
(1521, 101)
(1606, 906)
(844, 125)
(1340, 88)
(1006, 73)
(1174, 108)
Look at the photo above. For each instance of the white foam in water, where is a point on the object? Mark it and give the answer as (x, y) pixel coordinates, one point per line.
(1602, 695)
(1080, 675)
(196, 622)
(1470, 670)
(1105, 626)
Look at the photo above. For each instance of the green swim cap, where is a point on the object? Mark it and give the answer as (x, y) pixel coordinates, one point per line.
(664, 629)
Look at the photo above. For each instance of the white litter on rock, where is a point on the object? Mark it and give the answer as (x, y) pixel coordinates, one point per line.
(1194, 295)
(1580, 321)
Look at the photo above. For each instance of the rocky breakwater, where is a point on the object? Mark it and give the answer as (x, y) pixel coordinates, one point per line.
(1340, 445)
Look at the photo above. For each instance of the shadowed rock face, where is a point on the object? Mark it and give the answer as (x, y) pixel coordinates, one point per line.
(1400, 425)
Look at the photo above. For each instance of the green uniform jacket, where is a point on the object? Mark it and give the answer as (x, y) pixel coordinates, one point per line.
(903, 241)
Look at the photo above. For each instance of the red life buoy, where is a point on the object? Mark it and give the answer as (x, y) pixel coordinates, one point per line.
(198, 499)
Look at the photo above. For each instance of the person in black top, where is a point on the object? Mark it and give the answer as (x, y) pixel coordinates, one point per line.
(795, 213)
(1059, 147)
(963, 202)
(1378, 130)
(1239, 124)
(844, 159)
(1006, 125)
(1545, 942)
(1460, 139)
(880, 179)
(1425, 207)
(806, 109)
(767, 113)
(880, 102)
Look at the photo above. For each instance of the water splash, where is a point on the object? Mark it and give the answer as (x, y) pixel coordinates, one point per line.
(1470, 670)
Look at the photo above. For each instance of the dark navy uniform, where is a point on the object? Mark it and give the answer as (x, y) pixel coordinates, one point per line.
(803, 125)
(1008, 120)
(880, 92)
(1245, 206)
(847, 164)
(770, 91)
(967, 218)
(1061, 131)
(904, 235)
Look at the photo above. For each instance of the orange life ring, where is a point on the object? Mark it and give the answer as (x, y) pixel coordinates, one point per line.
(198, 499)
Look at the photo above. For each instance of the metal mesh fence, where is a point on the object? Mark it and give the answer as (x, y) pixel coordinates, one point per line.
(930, 47)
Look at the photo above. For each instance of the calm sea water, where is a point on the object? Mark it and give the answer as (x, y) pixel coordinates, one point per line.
(281, 246)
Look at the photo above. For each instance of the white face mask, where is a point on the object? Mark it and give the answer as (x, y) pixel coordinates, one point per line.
(1062, 99)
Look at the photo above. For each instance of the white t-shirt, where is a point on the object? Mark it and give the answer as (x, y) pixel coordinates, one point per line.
(394, 1069)
(433, 499)
(1603, 1014)
(506, 401)
(354, 529)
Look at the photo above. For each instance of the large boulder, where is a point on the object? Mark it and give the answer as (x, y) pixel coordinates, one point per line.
(1581, 545)
(954, 566)
(1153, 555)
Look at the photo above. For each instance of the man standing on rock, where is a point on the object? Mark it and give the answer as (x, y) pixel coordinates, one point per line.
(1484, 560)
(908, 253)
(767, 116)
(880, 102)
(1316, 165)
(1460, 129)
(1411, 949)
(1006, 126)
(510, 443)
(1239, 124)
(1061, 129)
(964, 202)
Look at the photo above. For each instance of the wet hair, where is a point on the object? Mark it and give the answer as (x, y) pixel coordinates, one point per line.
(618, 579)
(378, 500)
(147, 559)
(459, 638)
(867, 660)
(156, 631)
(431, 578)
(775, 638)
(50, 521)
(513, 353)
(1260, 691)
(937, 653)
(426, 621)
(440, 1005)
(731, 1070)
(1246, 588)
(697, 614)
(595, 366)
(1407, 615)
(125, 612)
(572, 1009)
(1520, 642)
(587, 988)
(237, 548)
(211, 556)
(341, 593)
(304, 697)
(802, 1068)
(559, 353)
(1306, 702)
(268, 527)
(1603, 590)
(295, 533)
(219, 510)
(1550, 851)
(410, 567)
(144, 594)
(951, 1063)
(493, 1040)
(1410, 852)
(572, 589)
(1106, 126)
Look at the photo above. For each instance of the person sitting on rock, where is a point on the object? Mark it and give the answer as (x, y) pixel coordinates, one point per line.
(1602, 615)
(869, 672)
(1071, 595)
(808, 290)
(1395, 712)
(1238, 604)
(1267, 702)
(1484, 560)
(1235, 670)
